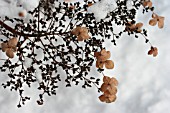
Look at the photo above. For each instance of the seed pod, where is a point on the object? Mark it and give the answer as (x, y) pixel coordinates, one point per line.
(22, 13)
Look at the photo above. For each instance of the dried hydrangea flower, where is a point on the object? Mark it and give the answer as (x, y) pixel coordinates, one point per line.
(157, 19)
(109, 89)
(153, 51)
(147, 3)
(10, 47)
(81, 33)
(102, 59)
(134, 27)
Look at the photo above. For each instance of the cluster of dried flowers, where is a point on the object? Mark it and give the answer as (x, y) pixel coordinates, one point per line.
(109, 89)
(55, 33)
(155, 18)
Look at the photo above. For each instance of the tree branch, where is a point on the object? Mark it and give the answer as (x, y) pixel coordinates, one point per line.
(27, 35)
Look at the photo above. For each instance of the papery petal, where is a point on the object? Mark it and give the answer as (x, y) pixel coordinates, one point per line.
(76, 31)
(106, 79)
(12, 42)
(102, 98)
(155, 16)
(103, 52)
(145, 3)
(108, 55)
(153, 22)
(109, 64)
(4, 46)
(14, 49)
(102, 58)
(109, 98)
(155, 52)
(99, 64)
(132, 27)
(139, 30)
(104, 87)
(96, 54)
(161, 22)
(83, 30)
(139, 25)
(85, 36)
(112, 90)
(113, 81)
(112, 98)
(80, 38)
(149, 4)
(10, 53)
(150, 52)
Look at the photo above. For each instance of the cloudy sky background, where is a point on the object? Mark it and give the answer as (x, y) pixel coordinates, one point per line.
(143, 80)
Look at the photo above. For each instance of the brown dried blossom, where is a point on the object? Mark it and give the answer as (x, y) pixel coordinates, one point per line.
(81, 33)
(147, 3)
(153, 51)
(10, 47)
(109, 89)
(134, 27)
(102, 59)
(157, 19)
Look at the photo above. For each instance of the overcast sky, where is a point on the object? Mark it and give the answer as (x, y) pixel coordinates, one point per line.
(143, 80)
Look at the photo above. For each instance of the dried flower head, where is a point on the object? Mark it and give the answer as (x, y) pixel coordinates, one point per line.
(102, 59)
(134, 27)
(10, 47)
(153, 51)
(147, 3)
(157, 19)
(81, 33)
